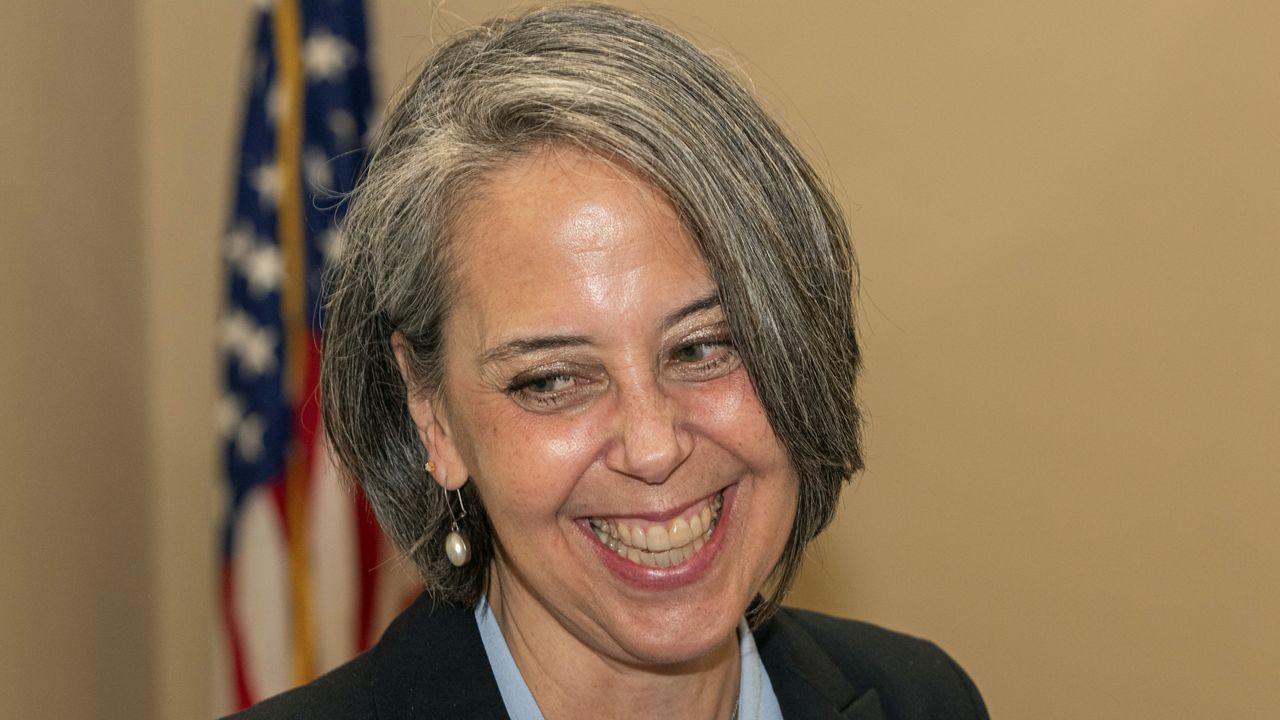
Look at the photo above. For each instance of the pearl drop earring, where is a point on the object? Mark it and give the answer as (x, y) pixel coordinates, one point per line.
(456, 547)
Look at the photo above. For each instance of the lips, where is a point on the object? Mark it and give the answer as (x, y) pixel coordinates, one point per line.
(660, 544)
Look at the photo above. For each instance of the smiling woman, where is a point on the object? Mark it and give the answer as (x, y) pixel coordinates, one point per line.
(594, 331)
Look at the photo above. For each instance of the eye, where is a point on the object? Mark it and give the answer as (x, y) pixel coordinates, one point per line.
(696, 352)
(705, 359)
(551, 390)
(548, 385)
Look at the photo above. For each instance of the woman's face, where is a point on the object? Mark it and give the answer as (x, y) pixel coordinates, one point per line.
(591, 391)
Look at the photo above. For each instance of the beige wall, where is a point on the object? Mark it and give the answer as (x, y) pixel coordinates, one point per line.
(75, 600)
(1067, 216)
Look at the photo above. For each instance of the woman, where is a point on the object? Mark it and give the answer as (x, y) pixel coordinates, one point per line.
(590, 354)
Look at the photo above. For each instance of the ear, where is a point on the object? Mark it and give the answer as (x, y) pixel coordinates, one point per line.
(432, 421)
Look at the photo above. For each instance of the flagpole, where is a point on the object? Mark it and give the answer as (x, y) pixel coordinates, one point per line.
(288, 33)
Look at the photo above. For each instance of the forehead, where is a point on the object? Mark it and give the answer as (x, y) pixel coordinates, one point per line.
(564, 231)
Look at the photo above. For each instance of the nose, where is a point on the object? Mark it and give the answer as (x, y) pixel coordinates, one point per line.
(650, 441)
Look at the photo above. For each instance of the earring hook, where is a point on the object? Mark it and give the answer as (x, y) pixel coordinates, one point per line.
(461, 506)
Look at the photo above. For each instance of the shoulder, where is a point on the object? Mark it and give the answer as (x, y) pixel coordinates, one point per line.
(911, 678)
(430, 662)
(346, 693)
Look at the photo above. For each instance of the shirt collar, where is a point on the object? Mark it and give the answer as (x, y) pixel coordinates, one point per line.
(756, 700)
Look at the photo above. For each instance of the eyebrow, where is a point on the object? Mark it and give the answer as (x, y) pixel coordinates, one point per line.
(706, 302)
(522, 346)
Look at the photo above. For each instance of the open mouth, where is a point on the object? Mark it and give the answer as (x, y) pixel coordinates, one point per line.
(664, 544)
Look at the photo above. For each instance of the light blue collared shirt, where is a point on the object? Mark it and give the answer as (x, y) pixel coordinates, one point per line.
(756, 700)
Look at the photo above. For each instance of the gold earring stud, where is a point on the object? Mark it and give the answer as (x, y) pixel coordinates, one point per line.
(431, 466)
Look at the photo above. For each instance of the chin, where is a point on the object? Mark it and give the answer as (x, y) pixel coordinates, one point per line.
(679, 636)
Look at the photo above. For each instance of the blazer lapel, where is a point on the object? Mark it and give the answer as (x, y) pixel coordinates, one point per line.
(809, 686)
(431, 663)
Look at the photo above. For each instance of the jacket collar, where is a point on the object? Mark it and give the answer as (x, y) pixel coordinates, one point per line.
(808, 684)
(431, 663)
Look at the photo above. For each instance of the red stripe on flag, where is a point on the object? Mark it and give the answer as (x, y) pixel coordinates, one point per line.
(231, 622)
(304, 424)
(369, 542)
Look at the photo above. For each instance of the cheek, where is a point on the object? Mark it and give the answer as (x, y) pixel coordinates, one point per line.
(730, 414)
(533, 458)
(570, 443)
(729, 411)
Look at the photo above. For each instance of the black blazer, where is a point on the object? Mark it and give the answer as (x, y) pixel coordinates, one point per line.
(431, 663)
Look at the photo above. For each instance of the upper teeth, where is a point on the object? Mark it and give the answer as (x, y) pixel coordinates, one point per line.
(660, 545)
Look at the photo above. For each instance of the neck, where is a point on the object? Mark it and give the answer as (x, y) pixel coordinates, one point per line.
(567, 674)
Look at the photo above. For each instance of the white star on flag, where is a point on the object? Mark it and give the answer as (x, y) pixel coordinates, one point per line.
(238, 242)
(230, 412)
(237, 327)
(263, 269)
(266, 180)
(331, 242)
(249, 438)
(326, 55)
(258, 354)
(343, 126)
(315, 164)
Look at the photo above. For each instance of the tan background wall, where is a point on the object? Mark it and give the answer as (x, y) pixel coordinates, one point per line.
(1067, 216)
(75, 606)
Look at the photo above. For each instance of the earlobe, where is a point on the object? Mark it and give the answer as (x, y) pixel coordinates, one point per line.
(429, 419)
(450, 471)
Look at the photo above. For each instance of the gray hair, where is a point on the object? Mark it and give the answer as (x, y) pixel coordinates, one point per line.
(629, 90)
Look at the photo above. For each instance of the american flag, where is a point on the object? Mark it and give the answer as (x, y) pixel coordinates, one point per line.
(304, 581)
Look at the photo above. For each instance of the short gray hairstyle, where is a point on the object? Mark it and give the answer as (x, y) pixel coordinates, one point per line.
(636, 93)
